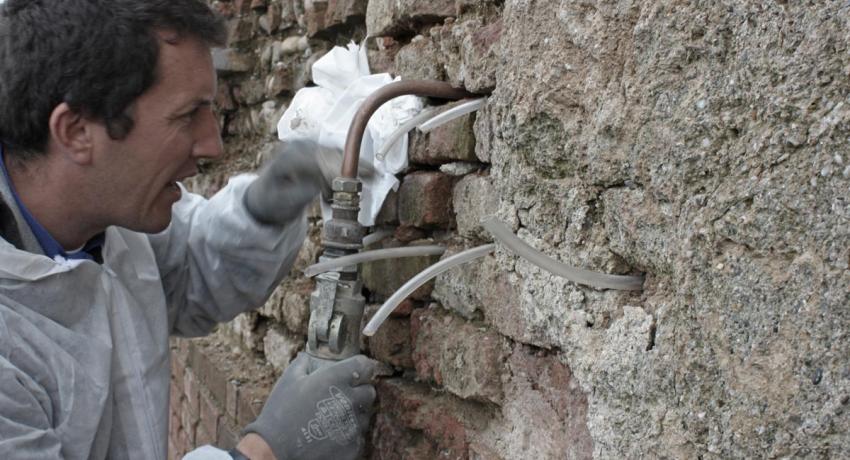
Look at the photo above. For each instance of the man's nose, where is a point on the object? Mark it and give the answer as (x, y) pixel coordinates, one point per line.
(208, 142)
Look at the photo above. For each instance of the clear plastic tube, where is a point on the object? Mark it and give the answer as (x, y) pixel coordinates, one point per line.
(598, 280)
(369, 256)
(423, 277)
(451, 114)
(405, 128)
(376, 236)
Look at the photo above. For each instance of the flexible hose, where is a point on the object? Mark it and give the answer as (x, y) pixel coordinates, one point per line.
(417, 281)
(451, 114)
(374, 237)
(370, 256)
(424, 88)
(405, 128)
(598, 280)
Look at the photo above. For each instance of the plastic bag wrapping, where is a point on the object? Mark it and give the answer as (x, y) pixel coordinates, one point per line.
(323, 114)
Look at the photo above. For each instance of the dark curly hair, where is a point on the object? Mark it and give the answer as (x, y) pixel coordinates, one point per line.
(96, 55)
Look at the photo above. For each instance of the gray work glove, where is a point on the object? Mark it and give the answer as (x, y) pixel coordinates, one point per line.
(320, 415)
(298, 170)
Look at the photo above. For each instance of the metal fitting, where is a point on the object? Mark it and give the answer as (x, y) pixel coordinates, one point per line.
(346, 184)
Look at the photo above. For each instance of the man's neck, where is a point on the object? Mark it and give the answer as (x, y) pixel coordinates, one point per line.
(52, 201)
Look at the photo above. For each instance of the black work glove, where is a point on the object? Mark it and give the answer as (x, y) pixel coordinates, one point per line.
(298, 170)
(320, 415)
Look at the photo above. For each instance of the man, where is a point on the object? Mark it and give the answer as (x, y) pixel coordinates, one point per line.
(105, 105)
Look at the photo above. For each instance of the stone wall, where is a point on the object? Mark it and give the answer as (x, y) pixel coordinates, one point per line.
(701, 143)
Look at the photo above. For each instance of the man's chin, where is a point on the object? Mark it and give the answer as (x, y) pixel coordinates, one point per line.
(152, 224)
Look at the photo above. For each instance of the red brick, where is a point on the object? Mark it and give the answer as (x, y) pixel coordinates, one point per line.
(175, 397)
(203, 438)
(322, 16)
(446, 422)
(178, 369)
(392, 441)
(173, 452)
(250, 403)
(467, 359)
(547, 389)
(404, 309)
(228, 436)
(406, 234)
(182, 443)
(231, 403)
(208, 373)
(453, 141)
(189, 422)
(425, 200)
(174, 424)
(391, 344)
(388, 215)
(384, 277)
(210, 414)
(190, 391)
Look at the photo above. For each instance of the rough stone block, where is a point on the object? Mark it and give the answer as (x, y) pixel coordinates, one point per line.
(640, 229)
(474, 198)
(471, 52)
(271, 20)
(382, 58)
(228, 61)
(467, 359)
(239, 30)
(323, 17)
(279, 81)
(384, 277)
(250, 91)
(420, 59)
(290, 305)
(398, 17)
(281, 346)
(424, 200)
(224, 101)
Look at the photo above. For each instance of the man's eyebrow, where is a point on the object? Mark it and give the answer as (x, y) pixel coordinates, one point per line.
(193, 105)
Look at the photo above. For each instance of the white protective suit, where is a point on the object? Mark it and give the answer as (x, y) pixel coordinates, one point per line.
(84, 355)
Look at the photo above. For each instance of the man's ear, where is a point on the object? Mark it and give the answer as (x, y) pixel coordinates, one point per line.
(72, 133)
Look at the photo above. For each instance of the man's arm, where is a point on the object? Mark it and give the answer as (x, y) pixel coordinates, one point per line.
(25, 429)
(217, 261)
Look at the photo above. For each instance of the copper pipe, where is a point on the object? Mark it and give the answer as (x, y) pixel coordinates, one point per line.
(425, 88)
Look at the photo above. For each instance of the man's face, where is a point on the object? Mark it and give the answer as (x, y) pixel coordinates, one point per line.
(174, 126)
